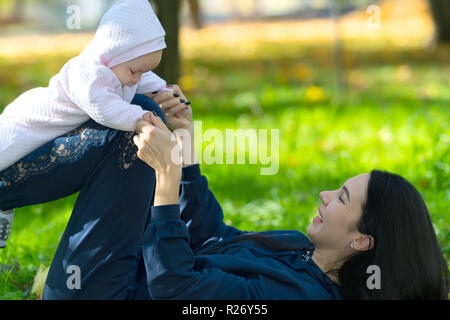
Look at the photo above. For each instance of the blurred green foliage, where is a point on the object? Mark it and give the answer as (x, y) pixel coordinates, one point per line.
(394, 116)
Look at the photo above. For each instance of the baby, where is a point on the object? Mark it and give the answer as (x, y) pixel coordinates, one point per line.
(100, 83)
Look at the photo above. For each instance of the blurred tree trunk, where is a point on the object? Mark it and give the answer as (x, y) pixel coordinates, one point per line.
(18, 11)
(441, 15)
(15, 15)
(195, 13)
(169, 68)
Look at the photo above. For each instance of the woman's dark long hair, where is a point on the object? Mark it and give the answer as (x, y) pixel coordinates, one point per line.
(406, 248)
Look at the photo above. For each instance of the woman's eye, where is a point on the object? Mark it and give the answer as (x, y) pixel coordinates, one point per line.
(342, 200)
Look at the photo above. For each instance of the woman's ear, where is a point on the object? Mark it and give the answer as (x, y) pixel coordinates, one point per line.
(363, 243)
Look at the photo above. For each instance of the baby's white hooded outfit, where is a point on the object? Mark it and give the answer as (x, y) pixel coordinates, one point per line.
(86, 87)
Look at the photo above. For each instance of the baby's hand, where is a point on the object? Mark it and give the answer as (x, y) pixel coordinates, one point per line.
(147, 117)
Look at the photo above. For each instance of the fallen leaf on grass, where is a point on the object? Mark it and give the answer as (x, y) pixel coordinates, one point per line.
(39, 281)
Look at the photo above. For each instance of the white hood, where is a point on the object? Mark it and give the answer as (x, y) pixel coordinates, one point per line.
(128, 29)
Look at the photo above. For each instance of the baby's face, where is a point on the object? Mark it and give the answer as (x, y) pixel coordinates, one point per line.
(130, 72)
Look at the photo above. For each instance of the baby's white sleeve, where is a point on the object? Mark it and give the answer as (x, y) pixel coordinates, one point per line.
(98, 99)
(150, 82)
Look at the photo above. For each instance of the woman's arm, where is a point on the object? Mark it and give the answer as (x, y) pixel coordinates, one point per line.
(170, 265)
(168, 255)
(201, 211)
(199, 208)
(158, 147)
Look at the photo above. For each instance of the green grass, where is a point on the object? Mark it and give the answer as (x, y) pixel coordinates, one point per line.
(394, 116)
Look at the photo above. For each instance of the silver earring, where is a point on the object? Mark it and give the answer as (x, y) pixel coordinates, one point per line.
(352, 245)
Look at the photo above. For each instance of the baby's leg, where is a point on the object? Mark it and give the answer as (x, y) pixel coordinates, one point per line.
(61, 167)
(55, 170)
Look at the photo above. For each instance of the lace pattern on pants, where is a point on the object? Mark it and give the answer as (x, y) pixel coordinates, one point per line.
(128, 150)
(68, 149)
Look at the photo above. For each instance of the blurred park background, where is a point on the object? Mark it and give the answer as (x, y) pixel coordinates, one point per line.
(351, 85)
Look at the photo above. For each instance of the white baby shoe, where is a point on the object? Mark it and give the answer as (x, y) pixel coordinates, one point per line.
(6, 219)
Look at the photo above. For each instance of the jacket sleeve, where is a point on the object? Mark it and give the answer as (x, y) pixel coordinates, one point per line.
(93, 90)
(200, 210)
(170, 264)
(150, 82)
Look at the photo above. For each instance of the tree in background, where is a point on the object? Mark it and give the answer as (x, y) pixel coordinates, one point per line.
(167, 11)
(195, 13)
(15, 14)
(441, 14)
(168, 14)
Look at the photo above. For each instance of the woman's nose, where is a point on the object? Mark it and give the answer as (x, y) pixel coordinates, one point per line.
(326, 196)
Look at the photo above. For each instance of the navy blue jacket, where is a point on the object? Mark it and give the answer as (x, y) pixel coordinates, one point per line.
(178, 238)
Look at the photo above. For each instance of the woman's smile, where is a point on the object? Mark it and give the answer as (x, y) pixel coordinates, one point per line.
(319, 218)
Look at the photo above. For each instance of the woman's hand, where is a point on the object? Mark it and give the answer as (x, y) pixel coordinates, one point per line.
(179, 119)
(159, 148)
(176, 108)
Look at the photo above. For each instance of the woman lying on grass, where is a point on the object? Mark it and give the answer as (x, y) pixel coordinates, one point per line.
(144, 227)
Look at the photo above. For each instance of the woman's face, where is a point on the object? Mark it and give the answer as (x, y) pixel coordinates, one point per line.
(335, 226)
